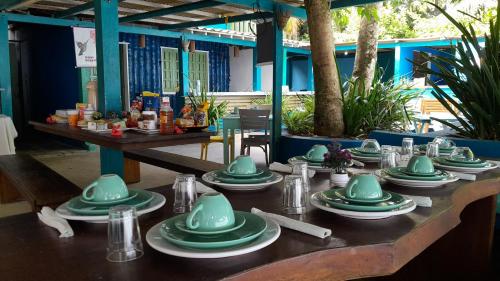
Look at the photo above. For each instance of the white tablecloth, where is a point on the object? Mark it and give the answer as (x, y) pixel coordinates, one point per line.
(7, 135)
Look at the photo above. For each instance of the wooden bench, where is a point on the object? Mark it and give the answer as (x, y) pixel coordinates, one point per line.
(22, 175)
(171, 161)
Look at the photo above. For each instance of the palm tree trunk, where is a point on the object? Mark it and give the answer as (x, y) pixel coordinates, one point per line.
(366, 50)
(328, 118)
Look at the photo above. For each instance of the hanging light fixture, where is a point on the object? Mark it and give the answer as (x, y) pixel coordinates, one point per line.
(142, 41)
(185, 45)
(192, 47)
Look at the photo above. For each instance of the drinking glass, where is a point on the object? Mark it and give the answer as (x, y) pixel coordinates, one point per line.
(462, 153)
(124, 235)
(388, 159)
(184, 193)
(432, 150)
(301, 168)
(294, 196)
(444, 142)
(370, 145)
(407, 149)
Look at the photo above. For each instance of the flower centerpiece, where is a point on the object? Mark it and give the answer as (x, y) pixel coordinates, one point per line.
(338, 160)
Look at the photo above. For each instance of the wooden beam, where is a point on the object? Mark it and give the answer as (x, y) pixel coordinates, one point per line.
(218, 21)
(15, 4)
(338, 4)
(269, 6)
(171, 10)
(76, 10)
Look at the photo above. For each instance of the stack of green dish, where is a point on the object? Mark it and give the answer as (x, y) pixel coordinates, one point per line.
(458, 162)
(106, 192)
(315, 156)
(442, 150)
(242, 171)
(419, 168)
(362, 194)
(212, 224)
(358, 151)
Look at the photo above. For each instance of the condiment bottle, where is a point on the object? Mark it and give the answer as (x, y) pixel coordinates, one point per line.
(166, 119)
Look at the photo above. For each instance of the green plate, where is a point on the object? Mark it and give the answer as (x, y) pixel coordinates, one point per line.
(357, 153)
(243, 176)
(360, 150)
(76, 206)
(397, 172)
(131, 195)
(395, 202)
(303, 158)
(253, 228)
(456, 160)
(180, 223)
(332, 194)
(446, 162)
(220, 176)
(423, 147)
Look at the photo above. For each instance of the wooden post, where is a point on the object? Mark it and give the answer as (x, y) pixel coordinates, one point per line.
(277, 88)
(108, 75)
(5, 79)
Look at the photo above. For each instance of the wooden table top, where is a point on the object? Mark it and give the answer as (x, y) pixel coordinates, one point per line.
(33, 251)
(129, 140)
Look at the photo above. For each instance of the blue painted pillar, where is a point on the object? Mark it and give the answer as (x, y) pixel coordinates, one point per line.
(310, 77)
(257, 74)
(285, 66)
(5, 79)
(277, 90)
(108, 75)
(397, 64)
(183, 78)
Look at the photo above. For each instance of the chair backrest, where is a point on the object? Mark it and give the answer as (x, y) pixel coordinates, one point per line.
(432, 105)
(253, 119)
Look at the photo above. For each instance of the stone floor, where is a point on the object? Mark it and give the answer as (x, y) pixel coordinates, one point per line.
(82, 167)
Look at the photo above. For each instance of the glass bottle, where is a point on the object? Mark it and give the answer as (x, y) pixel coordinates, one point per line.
(166, 119)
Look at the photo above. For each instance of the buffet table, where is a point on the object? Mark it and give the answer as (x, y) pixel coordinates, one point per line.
(451, 239)
(129, 141)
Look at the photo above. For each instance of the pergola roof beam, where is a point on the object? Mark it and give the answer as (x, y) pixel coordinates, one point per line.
(76, 10)
(171, 10)
(261, 15)
(338, 4)
(15, 4)
(270, 6)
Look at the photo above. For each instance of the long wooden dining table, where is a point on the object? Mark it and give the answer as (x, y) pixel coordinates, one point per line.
(449, 241)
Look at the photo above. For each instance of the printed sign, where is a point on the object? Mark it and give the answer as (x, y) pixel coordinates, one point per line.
(85, 47)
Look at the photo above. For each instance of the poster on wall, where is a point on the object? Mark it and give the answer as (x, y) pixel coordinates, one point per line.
(85, 47)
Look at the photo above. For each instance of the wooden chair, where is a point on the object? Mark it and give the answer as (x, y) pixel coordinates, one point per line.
(255, 120)
(217, 139)
(432, 105)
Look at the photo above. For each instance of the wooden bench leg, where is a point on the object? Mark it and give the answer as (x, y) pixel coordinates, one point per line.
(132, 171)
(8, 193)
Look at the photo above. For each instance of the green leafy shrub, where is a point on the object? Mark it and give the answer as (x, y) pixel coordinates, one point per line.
(215, 111)
(301, 121)
(473, 75)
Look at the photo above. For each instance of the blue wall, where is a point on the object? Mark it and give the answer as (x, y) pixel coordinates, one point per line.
(297, 73)
(384, 59)
(145, 63)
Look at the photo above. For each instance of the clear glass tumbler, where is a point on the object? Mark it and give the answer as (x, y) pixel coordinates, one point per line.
(294, 195)
(184, 193)
(432, 150)
(301, 168)
(407, 149)
(388, 159)
(124, 235)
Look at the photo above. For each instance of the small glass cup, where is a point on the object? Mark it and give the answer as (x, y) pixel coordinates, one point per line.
(301, 168)
(462, 153)
(432, 150)
(184, 193)
(444, 142)
(124, 235)
(407, 149)
(370, 145)
(294, 196)
(386, 148)
(388, 159)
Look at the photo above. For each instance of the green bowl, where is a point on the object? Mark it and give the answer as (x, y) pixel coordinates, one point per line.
(398, 172)
(220, 176)
(332, 194)
(395, 202)
(446, 162)
(76, 206)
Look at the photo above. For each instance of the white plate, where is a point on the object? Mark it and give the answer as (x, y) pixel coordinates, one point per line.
(406, 208)
(209, 178)
(416, 183)
(466, 169)
(160, 244)
(62, 211)
(318, 169)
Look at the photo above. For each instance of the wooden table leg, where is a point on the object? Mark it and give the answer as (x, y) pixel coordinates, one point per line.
(132, 171)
